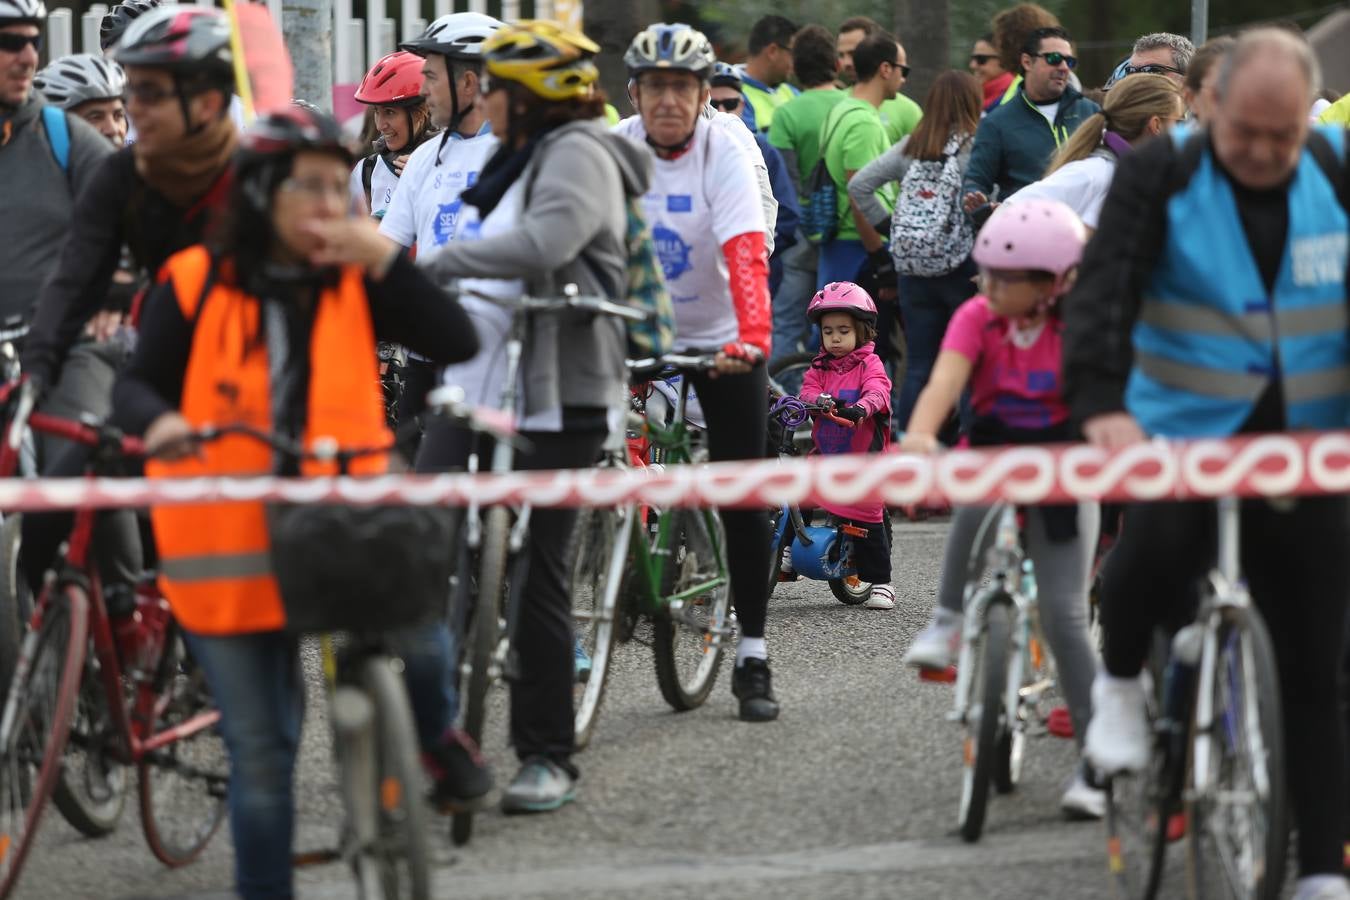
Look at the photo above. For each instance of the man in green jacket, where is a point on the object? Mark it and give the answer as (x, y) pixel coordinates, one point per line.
(1015, 141)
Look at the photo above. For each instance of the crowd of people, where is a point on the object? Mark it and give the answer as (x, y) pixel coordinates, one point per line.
(1020, 258)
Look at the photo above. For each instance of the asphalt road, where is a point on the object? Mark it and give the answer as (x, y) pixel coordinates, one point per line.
(852, 793)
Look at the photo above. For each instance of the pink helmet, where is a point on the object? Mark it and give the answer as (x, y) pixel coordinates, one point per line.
(1039, 235)
(842, 296)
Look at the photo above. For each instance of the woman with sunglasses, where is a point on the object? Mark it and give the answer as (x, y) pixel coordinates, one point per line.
(986, 66)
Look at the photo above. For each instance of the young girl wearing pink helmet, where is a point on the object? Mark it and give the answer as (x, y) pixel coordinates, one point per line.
(849, 370)
(1004, 345)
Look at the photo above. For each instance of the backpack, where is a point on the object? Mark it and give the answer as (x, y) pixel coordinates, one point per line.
(820, 206)
(930, 233)
(58, 135)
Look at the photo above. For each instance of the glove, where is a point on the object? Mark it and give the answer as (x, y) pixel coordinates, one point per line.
(744, 352)
(853, 412)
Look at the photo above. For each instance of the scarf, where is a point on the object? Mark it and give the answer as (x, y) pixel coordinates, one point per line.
(498, 175)
(184, 172)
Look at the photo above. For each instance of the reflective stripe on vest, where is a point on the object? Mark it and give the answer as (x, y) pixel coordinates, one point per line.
(215, 564)
(1210, 339)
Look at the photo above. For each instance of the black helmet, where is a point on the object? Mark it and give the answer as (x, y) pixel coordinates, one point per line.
(271, 141)
(117, 19)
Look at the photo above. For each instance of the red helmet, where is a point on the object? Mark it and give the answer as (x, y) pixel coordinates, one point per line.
(396, 80)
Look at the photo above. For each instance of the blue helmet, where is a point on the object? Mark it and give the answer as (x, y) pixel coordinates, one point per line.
(725, 75)
(675, 47)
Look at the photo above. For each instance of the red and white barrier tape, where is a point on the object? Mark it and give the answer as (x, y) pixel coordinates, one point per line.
(1264, 465)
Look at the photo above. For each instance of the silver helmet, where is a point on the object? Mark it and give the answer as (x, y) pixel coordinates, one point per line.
(72, 80)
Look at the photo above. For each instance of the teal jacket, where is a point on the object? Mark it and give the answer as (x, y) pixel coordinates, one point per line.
(1014, 143)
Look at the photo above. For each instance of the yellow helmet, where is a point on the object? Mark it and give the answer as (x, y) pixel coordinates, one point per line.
(551, 61)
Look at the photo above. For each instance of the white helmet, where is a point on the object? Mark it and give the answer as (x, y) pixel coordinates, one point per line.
(22, 11)
(456, 35)
(72, 80)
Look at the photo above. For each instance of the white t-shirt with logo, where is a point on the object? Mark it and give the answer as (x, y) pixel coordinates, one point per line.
(695, 204)
(426, 208)
(382, 184)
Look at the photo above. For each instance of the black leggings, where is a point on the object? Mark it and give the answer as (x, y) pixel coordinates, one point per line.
(541, 698)
(737, 408)
(1297, 568)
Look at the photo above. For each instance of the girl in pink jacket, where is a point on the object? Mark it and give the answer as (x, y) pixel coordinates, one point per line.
(849, 371)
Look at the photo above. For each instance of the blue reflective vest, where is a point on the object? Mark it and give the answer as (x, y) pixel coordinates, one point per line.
(1210, 338)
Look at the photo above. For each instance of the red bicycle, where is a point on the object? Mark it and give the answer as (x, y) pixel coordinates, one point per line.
(90, 696)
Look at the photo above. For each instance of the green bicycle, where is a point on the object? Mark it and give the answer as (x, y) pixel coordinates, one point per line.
(666, 566)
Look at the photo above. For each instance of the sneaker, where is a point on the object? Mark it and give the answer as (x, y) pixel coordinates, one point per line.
(1118, 736)
(462, 776)
(752, 684)
(541, 785)
(1322, 887)
(882, 597)
(938, 644)
(785, 570)
(583, 662)
(1081, 800)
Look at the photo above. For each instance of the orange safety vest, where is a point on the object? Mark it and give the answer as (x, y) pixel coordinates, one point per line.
(215, 567)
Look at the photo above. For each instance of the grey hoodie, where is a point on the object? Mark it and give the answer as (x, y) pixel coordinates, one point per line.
(572, 231)
(39, 199)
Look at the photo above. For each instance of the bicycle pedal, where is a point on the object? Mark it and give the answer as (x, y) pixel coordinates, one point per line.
(1059, 723)
(938, 676)
(315, 858)
(1176, 827)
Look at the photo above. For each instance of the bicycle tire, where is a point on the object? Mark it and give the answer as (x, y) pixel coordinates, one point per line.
(787, 372)
(182, 694)
(1244, 630)
(980, 749)
(57, 663)
(92, 790)
(401, 856)
(776, 545)
(850, 594)
(599, 553)
(13, 617)
(485, 632)
(694, 534)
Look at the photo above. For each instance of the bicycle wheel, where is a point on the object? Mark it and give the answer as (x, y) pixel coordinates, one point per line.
(92, 790)
(985, 722)
(688, 646)
(399, 860)
(183, 783)
(1238, 837)
(599, 555)
(788, 372)
(850, 591)
(484, 633)
(16, 599)
(40, 707)
(777, 543)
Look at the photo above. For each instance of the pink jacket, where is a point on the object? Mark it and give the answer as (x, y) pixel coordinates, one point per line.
(860, 379)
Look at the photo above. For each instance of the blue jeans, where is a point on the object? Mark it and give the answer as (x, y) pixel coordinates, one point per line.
(926, 306)
(256, 682)
(790, 329)
(840, 260)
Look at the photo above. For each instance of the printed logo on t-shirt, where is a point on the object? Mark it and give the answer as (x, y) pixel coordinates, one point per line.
(831, 437)
(679, 203)
(673, 252)
(443, 228)
(471, 180)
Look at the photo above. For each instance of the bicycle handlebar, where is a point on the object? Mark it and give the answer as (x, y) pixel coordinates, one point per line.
(674, 363)
(325, 449)
(569, 300)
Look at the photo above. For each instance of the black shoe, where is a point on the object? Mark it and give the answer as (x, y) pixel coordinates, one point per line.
(462, 776)
(541, 785)
(751, 683)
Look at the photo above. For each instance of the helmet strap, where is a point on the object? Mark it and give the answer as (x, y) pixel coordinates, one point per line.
(183, 98)
(674, 149)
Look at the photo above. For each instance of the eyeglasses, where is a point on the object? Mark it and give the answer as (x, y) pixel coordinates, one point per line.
(12, 42)
(730, 104)
(147, 93)
(904, 69)
(683, 88)
(316, 189)
(981, 59)
(1153, 69)
(1054, 58)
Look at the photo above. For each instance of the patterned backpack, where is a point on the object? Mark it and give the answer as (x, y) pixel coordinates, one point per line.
(930, 233)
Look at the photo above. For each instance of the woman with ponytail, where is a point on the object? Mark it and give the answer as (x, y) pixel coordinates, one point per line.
(1136, 109)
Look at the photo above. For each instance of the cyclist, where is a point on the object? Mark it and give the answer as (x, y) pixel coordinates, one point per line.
(1211, 303)
(90, 87)
(709, 227)
(393, 86)
(115, 21)
(1005, 344)
(205, 326)
(426, 209)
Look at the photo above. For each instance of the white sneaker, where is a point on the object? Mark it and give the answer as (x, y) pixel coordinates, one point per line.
(882, 597)
(937, 645)
(1081, 800)
(1322, 887)
(1118, 735)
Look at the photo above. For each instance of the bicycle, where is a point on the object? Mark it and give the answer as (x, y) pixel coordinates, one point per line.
(76, 694)
(1216, 774)
(787, 373)
(665, 566)
(1003, 671)
(494, 542)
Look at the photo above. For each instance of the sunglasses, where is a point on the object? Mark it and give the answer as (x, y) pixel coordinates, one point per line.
(981, 59)
(148, 93)
(11, 42)
(730, 104)
(904, 69)
(1153, 69)
(1054, 58)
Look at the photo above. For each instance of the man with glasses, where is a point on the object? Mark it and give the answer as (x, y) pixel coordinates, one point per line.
(1160, 54)
(1016, 140)
(900, 115)
(765, 74)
